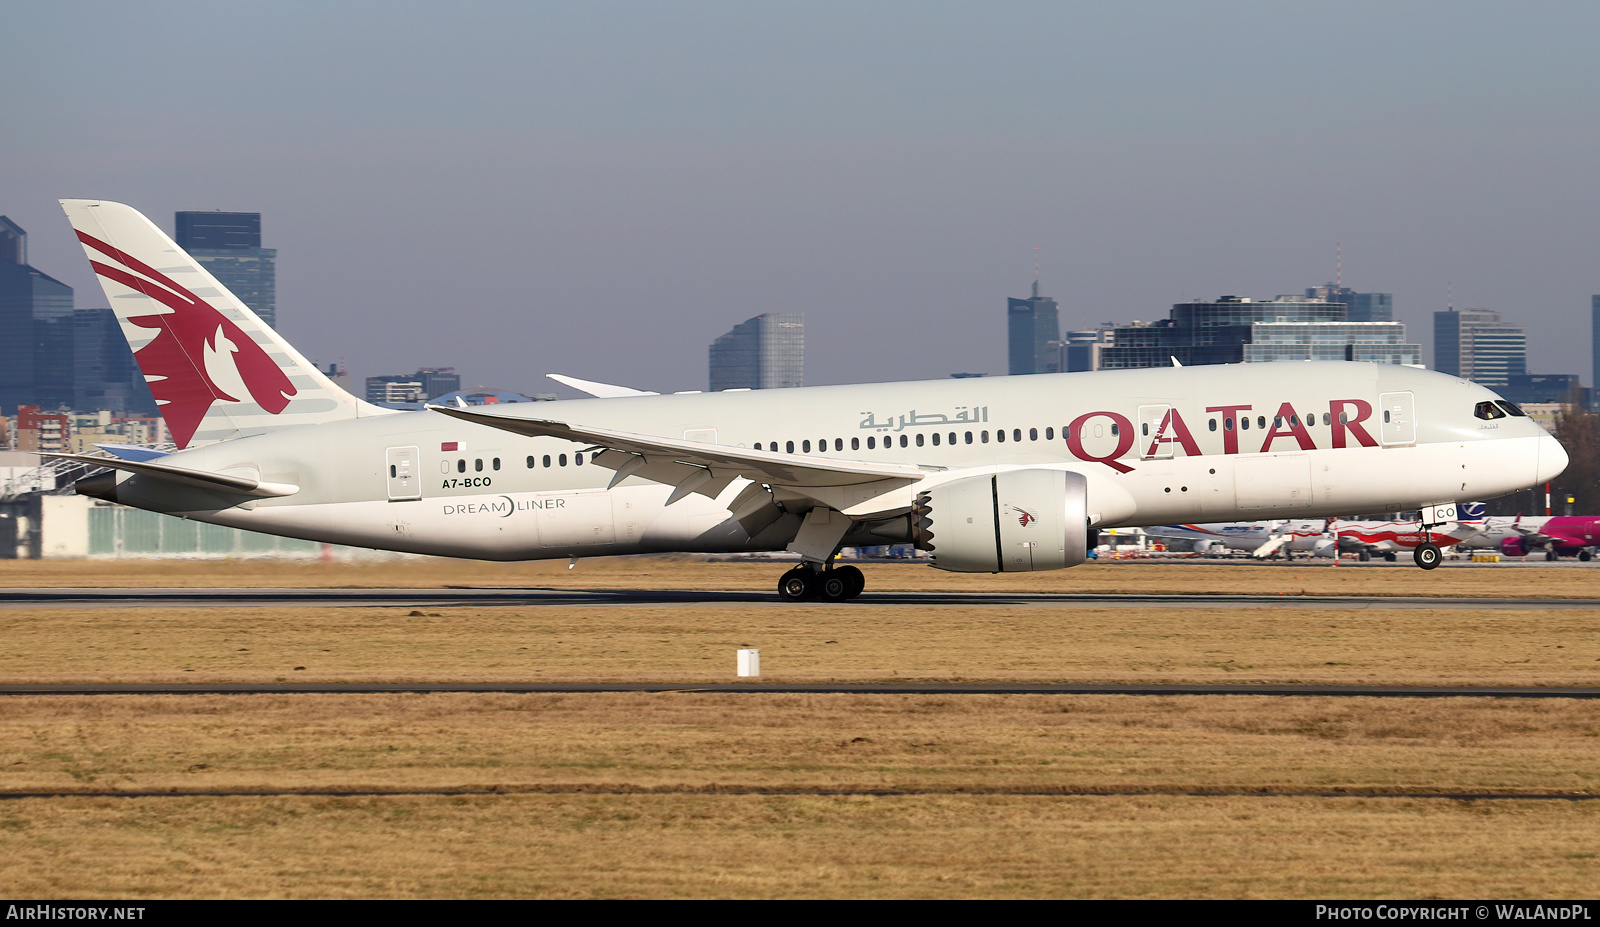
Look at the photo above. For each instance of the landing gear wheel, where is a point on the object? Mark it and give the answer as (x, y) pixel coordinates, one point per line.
(855, 578)
(834, 586)
(1427, 555)
(1585, 556)
(798, 584)
(1364, 556)
(1390, 556)
(1550, 555)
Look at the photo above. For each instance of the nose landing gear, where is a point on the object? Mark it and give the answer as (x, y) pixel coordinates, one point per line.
(1427, 555)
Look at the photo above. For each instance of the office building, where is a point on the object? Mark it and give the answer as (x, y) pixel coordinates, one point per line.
(1478, 345)
(426, 383)
(1033, 329)
(1080, 351)
(36, 364)
(1359, 307)
(766, 352)
(1537, 388)
(228, 245)
(1239, 330)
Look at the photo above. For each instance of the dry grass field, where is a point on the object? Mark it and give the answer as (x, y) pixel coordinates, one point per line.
(695, 794)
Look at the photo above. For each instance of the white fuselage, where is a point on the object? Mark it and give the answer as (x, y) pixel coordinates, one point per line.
(1157, 446)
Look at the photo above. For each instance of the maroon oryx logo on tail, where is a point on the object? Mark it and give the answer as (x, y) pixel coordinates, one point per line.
(198, 355)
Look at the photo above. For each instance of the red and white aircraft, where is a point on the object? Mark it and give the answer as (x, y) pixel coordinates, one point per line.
(989, 475)
(1318, 537)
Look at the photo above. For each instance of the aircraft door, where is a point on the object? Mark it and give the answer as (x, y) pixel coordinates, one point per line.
(405, 480)
(1398, 423)
(1155, 432)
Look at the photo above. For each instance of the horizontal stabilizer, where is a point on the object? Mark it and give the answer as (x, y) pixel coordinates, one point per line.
(217, 482)
(131, 452)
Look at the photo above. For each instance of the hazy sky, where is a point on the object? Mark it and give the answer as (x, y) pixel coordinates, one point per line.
(600, 189)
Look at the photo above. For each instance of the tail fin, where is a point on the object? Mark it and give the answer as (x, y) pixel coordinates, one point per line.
(217, 371)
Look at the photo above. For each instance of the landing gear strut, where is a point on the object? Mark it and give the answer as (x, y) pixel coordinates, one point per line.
(1427, 553)
(813, 581)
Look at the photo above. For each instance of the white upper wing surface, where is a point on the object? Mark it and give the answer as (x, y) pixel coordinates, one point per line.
(693, 466)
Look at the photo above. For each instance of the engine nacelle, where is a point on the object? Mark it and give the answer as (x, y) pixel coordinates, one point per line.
(1325, 547)
(1018, 521)
(1514, 547)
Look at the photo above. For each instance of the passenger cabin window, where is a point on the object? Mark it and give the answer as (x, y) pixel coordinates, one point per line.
(477, 465)
(872, 443)
(563, 459)
(496, 463)
(461, 466)
(547, 460)
(855, 444)
(919, 439)
(530, 462)
(903, 441)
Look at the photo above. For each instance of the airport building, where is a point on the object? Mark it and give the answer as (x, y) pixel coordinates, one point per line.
(1033, 328)
(766, 352)
(1239, 330)
(228, 245)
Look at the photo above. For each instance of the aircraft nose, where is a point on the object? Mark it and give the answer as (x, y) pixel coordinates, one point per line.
(1552, 459)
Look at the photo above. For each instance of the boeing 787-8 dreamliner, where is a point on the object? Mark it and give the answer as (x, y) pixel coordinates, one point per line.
(988, 475)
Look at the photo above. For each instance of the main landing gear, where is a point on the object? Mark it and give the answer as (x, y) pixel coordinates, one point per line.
(813, 581)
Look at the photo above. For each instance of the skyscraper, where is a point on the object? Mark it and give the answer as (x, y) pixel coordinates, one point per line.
(36, 363)
(1478, 345)
(228, 244)
(766, 352)
(1359, 307)
(1594, 336)
(1033, 328)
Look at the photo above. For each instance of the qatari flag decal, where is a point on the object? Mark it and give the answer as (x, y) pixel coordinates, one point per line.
(450, 446)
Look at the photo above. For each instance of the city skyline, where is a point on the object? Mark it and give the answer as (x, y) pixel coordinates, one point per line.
(892, 182)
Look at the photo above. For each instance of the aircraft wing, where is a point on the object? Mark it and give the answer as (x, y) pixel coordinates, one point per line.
(597, 389)
(234, 484)
(693, 466)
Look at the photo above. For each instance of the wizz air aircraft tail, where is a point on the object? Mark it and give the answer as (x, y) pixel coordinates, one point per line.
(217, 371)
(993, 475)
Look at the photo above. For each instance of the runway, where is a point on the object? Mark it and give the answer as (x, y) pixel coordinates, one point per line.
(334, 688)
(600, 598)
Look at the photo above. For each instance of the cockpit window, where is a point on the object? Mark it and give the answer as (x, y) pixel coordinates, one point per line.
(1511, 407)
(1488, 410)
